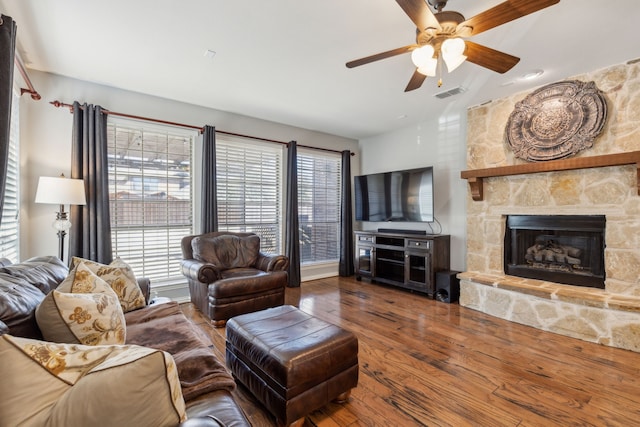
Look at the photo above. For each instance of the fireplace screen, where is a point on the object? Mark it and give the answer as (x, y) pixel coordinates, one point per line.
(558, 248)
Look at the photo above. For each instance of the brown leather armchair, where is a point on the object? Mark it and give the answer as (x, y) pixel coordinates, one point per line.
(228, 275)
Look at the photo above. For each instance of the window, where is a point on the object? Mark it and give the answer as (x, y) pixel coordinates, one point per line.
(9, 226)
(319, 177)
(150, 197)
(249, 179)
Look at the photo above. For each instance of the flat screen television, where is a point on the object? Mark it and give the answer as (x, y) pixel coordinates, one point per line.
(403, 196)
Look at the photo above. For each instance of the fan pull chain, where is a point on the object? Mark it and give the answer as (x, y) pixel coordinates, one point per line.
(439, 70)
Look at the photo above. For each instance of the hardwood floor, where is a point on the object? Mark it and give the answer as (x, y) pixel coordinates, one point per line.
(424, 362)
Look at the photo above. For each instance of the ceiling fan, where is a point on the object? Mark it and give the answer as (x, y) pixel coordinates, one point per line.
(439, 37)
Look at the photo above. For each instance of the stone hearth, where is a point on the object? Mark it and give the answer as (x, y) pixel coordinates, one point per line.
(589, 314)
(609, 316)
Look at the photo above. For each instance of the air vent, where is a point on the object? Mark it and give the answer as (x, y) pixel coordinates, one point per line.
(450, 92)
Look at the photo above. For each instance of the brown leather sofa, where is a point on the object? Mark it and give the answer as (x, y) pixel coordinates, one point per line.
(24, 285)
(228, 275)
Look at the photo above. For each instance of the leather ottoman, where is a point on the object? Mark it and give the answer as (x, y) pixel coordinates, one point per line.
(292, 362)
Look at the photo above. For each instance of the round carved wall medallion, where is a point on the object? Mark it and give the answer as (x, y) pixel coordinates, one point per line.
(556, 121)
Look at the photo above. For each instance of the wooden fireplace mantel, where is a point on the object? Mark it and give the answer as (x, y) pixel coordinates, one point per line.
(474, 177)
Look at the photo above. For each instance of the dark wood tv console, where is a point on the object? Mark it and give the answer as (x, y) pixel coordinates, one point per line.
(406, 260)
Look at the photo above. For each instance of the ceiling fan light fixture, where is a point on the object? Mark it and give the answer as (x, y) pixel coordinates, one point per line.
(453, 63)
(452, 53)
(429, 69)
(422, 56)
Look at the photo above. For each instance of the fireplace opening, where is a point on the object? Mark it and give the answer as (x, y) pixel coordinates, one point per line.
(565, 249)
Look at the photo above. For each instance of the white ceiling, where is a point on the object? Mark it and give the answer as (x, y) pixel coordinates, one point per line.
(284, 60)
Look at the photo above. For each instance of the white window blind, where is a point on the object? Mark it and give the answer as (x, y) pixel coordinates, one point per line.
(10, 226)
(319, 178)
(150, 195)
(249, 177)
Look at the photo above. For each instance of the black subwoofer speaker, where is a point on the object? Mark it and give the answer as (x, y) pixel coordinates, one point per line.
(447, 286)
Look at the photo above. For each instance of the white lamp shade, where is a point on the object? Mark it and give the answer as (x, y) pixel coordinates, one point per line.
(452, 53)
(60, 191)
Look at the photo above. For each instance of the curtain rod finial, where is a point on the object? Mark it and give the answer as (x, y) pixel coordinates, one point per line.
(59, 104)
(34, 95)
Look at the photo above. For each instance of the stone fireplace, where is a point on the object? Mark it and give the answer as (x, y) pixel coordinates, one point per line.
(605, 309)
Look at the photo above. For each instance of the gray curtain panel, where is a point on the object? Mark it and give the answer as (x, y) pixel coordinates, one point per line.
(209, 200)
(8, 30)
(345, 267)
(292, 229)
(90, 234)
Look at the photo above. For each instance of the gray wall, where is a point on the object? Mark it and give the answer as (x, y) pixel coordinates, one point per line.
(439, 142)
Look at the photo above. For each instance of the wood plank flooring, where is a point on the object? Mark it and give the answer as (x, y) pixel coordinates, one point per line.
(424, 362)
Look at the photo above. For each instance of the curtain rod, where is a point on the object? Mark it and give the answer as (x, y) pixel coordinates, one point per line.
(198, 128)
(31, 90)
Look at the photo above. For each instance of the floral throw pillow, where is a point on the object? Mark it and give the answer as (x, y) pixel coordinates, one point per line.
(120, 277)
(77, 385)
(83, 310)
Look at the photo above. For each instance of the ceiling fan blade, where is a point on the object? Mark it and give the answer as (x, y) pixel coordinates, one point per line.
(382, 55)
(501, 14)
(486, 57)
(419, 13)
(416, 81)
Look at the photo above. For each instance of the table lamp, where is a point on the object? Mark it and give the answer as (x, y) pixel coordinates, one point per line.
(60, 191)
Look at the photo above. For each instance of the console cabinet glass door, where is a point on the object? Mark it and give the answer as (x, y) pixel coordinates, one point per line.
(364, 259)
(418, 269)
